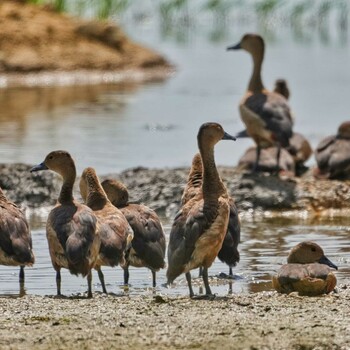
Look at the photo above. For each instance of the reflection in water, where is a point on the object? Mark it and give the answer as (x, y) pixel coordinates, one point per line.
(264, 248)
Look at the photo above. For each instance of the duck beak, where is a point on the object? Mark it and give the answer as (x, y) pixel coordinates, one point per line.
(39, 167)
(234, 47)
(326, 261)
(228, 137)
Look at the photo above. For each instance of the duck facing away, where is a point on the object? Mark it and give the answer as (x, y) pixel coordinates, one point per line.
(200, 226)
(15, 237)
(71, 227)
(266, 114)
(114, 231)
(308, 272)
(148, 245)
(228, 253)
(333, 155)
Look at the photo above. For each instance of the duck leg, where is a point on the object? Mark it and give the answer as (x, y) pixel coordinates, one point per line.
(21, 274)
(188, 278)
(230, 273)
(200, 272)
(154, 283)
(58, 282)
(102, 280)
(206, 282)
(126, 275)
(278, 158)
(89, 280)
(256, 165)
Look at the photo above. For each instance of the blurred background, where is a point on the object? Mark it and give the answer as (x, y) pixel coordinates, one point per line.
(114, 127)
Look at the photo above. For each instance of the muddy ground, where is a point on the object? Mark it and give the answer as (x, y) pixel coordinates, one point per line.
(263, 320)
(161, 189)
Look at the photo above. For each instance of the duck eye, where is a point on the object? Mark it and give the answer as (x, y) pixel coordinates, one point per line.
(51, 157)
(313, 249)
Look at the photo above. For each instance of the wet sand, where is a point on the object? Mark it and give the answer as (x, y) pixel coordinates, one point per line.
(265, 320)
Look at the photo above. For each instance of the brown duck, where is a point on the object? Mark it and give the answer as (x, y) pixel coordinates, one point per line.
(15, 237)
(308, 272)
(114, 231)
(71, 227)
(148, 245)
(200, 227)
(266, 114)
(333, 155)
(228, 253)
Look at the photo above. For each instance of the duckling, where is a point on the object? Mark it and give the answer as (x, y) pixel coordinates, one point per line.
(200, 226)
(333, 155)
(148, 245)
(15, 237)
(71, 232)
(228, 253)
(308, 272)
(114, 230)
(266, 114)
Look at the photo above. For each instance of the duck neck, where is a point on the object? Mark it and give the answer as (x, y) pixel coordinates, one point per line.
(96, 198)
(66, 194)
(212, 185)
(2, 196)
(255, 83)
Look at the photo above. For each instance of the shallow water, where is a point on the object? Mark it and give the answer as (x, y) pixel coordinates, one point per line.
(117, 126)
(264, 248)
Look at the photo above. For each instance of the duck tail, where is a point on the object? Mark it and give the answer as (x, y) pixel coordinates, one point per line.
(77, 255)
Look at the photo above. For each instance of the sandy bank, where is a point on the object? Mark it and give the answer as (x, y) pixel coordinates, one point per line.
(249, 321)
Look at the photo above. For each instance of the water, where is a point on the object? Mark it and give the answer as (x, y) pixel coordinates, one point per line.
(114, 127)
(264, 248)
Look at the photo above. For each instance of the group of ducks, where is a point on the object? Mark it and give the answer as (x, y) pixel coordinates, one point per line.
(269, 122)
(108, 230)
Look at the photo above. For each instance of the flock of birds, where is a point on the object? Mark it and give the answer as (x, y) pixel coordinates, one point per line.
(107, 230)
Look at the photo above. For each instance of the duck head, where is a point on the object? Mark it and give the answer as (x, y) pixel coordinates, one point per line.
(252, 43)
(344, 130)
(212, 133)
(59, 161)
(308, 253)
(116, 192)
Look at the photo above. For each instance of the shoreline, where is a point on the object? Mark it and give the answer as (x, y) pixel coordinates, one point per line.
(264, 320)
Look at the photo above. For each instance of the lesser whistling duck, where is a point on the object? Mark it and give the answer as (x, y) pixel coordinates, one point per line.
(333, 155)
(148, 245)
(228, 253)
(114, 231)
(308, 272)
(200, 226)
(266, 114)
(15, 237)
(71, 227)
(299, 146)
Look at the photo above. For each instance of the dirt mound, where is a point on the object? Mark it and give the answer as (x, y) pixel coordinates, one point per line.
(35, 38)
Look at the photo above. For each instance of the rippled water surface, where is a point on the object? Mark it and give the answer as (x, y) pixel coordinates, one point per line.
(264, 248)
(114, 127)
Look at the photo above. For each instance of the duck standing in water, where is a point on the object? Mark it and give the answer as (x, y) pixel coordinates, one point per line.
(228, 253)
(114, 231)
(200, 227)
(308, 272)
(148, 245)
(333, 155)
(71, 227)
(266, 114)
(15, 237)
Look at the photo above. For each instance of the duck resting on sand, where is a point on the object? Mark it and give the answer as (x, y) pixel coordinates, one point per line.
(200, 226)
(308, 272)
